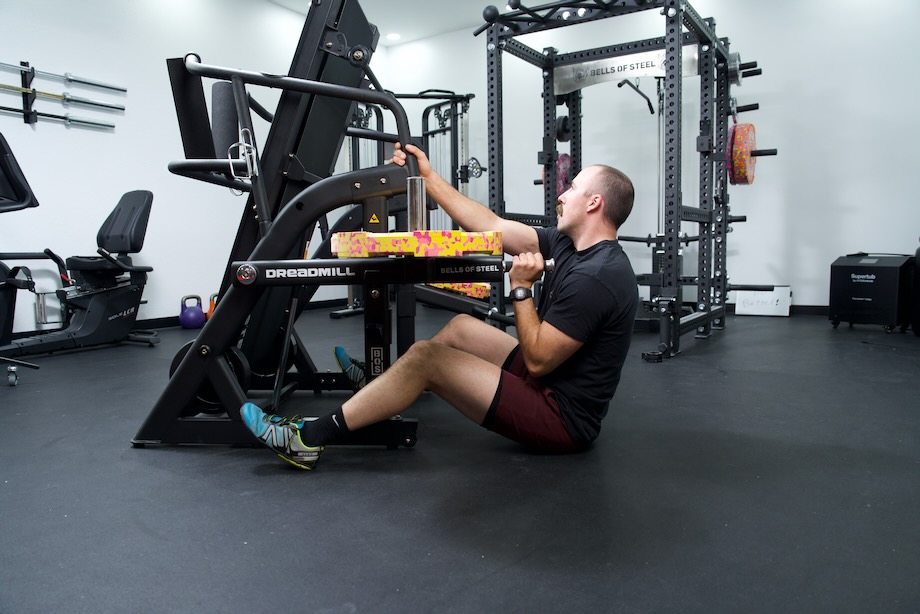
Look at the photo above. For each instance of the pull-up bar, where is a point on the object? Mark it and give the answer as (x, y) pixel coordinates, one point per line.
(556, 14)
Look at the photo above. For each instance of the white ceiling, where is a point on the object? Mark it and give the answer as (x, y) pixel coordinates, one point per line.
(413, 19)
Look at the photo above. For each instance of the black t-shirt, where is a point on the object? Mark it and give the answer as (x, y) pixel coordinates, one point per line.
(591, 296)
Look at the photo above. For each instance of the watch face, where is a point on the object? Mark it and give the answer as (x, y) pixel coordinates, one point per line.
(519, 294)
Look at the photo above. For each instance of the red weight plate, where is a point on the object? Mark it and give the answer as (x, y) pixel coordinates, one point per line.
(742, 141)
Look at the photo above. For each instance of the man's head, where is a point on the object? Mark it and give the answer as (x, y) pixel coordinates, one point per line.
(599, 194)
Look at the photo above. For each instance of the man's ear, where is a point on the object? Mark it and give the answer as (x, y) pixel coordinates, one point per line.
(596, 202)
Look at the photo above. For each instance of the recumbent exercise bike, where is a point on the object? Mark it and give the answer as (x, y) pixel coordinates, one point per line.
(100, 295)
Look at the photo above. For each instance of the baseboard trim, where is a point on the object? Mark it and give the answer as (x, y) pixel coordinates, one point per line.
(169, 322)
(173, 321)
(794, 310)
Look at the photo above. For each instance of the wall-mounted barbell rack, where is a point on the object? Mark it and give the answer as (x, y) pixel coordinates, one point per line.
(29, 95)
(718, 69)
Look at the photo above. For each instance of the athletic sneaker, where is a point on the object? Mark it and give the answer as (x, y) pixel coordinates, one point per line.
(353, 369)
(281, 435)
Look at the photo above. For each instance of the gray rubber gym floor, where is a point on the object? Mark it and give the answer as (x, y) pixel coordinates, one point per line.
(772, 468)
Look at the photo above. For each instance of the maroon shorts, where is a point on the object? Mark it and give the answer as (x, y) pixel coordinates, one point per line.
(526, 411)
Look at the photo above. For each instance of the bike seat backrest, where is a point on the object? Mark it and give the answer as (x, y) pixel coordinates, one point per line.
(124, 230)
(15, 193)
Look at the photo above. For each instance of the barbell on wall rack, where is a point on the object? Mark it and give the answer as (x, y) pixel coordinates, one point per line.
(64, 98)
(67, 119)
(67, 77)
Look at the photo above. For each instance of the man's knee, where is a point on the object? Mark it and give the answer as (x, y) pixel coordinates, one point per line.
(421, 352)
(423, 360)
(456, 330)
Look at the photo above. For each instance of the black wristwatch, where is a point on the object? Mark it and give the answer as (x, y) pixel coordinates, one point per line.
(521, 293)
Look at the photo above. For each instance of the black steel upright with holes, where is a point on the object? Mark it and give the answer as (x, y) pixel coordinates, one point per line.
(706, 147)
(670, 302)
(549, 154)
(573, 102)
(720, 198)
(494, 116)
(711, 213)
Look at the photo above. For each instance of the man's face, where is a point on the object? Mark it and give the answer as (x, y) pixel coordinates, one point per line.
(571, 205)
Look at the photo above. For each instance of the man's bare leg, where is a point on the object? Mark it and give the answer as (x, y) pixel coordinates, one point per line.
(478, 338)
(464, 380)
(468, 380)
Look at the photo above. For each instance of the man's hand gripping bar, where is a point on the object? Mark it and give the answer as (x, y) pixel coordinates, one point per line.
(548, 265)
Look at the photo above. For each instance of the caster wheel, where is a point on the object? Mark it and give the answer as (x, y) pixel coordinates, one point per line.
(12, 376)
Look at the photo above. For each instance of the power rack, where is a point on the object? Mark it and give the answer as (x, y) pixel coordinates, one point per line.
(718, 69)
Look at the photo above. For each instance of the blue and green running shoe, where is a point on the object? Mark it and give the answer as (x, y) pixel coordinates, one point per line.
(353, 369)
(281, 435)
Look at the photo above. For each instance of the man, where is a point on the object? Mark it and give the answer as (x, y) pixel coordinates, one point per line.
(549, 388)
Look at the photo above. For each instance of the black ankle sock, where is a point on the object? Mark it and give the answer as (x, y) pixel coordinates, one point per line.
(324, 429)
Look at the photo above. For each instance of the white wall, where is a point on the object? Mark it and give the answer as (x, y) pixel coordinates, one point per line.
(835, 100)
(79, 174)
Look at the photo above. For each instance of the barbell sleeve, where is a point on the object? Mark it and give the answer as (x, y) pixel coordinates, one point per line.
(416, 203)
(79, 121)
(747, 107)
(495, 315)
(84, 81)
(68, 99)
(763, 152)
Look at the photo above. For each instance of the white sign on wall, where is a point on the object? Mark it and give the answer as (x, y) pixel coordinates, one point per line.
(573, 77)
(761, 303)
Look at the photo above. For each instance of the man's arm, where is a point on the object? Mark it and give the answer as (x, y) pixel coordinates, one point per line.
(466, 212)
(543, 346)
